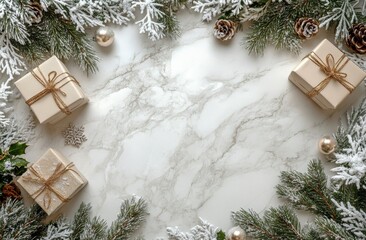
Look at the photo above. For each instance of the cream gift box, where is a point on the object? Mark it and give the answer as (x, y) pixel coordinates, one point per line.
(52, 181)
(50, 91)
(327, 75)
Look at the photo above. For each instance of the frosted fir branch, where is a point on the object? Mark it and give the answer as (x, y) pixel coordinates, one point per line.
(208, 8)
(353, 220)
(16, 131)
(80, 13)
(5, 91)
(251, 13)
(120, 12)
(132, 214)
(351, 160)
(59, 230)
(345, 16)
(213, 8)
(151, 10)
(13, 20)
(11, 63)
(203, 231)
(330, 229)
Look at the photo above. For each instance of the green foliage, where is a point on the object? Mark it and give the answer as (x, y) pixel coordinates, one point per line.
(11, 165)
(221, 235)
(20, 222)
(132, 214)
(328, 229)
(308, 191)
(277, 223)
(275, 26)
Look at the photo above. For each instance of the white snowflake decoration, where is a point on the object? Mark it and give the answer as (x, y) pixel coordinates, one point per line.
(74, 135)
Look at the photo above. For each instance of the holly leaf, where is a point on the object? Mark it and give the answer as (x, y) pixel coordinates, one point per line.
(19, 162)
(220, 235)
(16, 149)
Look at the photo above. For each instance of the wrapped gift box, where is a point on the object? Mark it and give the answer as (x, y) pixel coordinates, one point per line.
(309, 75)
(50, 91)
(52, 181)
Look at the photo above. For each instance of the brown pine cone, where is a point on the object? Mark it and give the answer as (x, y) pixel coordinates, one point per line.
(224, 29)
(306, 27)
(10, 190)
(356, 39)
(36, 10)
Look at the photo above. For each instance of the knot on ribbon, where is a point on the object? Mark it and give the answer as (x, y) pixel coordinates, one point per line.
(46, 184)
(332, 70)
(52, 85)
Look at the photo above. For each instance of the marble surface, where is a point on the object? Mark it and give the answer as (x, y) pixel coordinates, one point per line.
(196, 127)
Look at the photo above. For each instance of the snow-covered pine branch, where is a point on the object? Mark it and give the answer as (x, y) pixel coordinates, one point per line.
(203, 231)
(212, 8)
(16, 131)
(344, 15)
(58, 231)
(150, 24)
(80, 12)
(117, 11)
(352, 160)
(4, 94)
(353, 220)
(13, 22)
(11, 63)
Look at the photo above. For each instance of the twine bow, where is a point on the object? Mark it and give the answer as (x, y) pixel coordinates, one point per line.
(46, 184)
(50, 86)
(332, 70)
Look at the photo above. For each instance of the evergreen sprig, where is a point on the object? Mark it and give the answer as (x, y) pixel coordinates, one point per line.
(19, 222)
(132, 214)
(275, 26)
(308, 191)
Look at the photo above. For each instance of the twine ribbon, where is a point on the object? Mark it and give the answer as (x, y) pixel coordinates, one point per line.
(46, 184)
(51, 87)
(332, 70)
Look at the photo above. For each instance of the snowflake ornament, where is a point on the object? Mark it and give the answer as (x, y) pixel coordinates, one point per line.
(74, 135)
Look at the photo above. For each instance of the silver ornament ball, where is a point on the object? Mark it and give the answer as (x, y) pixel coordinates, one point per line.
(327, 145)
(236, 233)
(104, 36)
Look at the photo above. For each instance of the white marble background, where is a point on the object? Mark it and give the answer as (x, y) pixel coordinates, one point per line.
(196, 127)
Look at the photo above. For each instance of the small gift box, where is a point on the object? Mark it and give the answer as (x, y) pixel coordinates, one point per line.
(327, 76)
(50, 91)
(52, 181)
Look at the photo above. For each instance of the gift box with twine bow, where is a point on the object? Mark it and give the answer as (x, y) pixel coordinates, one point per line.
(52, 181)
(50, 91)
(327, 76)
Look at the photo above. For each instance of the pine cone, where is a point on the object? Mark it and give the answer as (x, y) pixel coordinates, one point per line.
(224, 29)
(10, 190)
(306, 27)
(36, 10)
(356, 39)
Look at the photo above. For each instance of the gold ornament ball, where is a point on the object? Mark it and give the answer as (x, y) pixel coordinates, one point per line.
(236, 233)
(327, 145)
(104, 36)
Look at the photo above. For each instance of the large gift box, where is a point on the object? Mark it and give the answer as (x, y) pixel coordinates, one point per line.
(52, 181)
(50, 91)
(327, 76)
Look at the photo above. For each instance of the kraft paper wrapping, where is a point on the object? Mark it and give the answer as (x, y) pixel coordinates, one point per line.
(308, 75)
(46, 109)
(68, 184)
